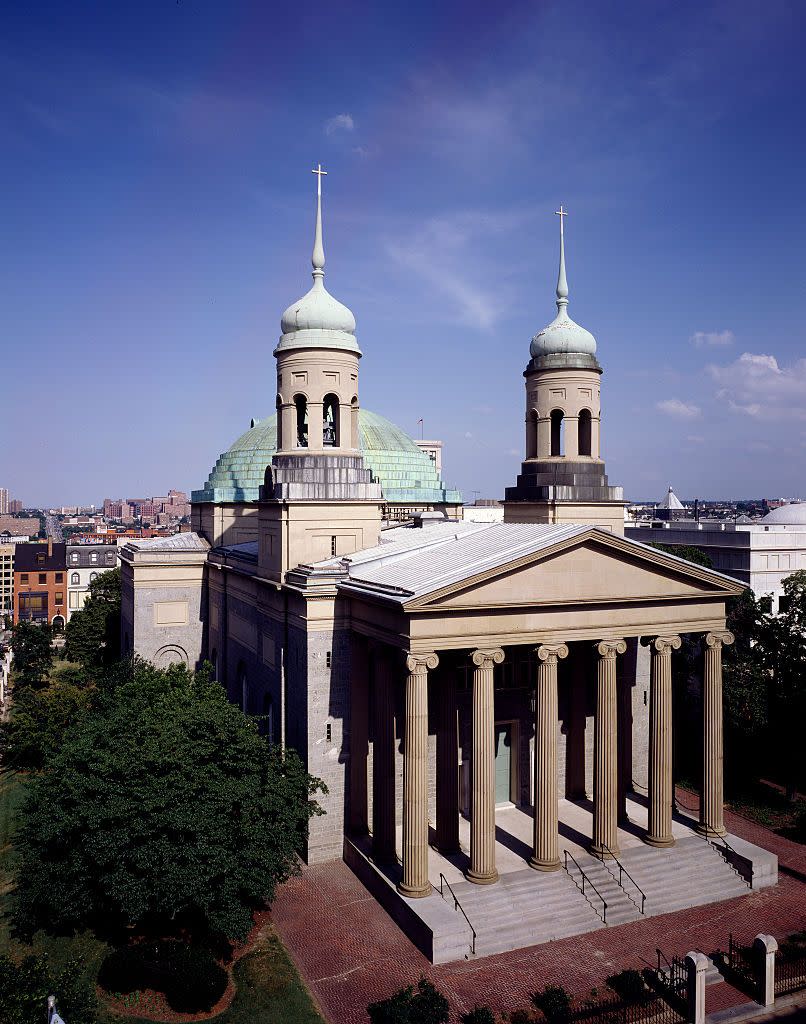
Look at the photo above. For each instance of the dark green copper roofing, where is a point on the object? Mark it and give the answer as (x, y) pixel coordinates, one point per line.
(406, 474)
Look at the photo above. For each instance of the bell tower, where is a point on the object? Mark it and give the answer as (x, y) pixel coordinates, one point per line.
(318, 499)
(562, 478)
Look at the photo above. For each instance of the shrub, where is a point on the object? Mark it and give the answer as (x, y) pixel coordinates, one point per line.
(189, 976)
(553, 1002)
(627, 984)
(478, 1015)
(25, 986)
(427, 1006)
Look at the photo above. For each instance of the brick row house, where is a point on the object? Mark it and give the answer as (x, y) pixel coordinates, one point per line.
(40, 584)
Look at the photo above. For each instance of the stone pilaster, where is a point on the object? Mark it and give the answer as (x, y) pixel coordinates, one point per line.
(447, 765)
(359, 735)
(482, 809)
(711, 809)
(659, 832)
(545, 847)
(415, 777)
(605, 751)
(383, 758)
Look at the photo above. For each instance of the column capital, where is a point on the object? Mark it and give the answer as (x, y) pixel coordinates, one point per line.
(552, 652)
(487, 657)
(610, 648)
(719, 638)
(421, 662)
(664, 644)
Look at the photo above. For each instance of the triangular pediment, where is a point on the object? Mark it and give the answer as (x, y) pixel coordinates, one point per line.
(592, 568)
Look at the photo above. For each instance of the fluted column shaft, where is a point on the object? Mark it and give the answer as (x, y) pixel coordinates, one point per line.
(659, 832)
(605, 751)
(359, 735)
(545, 846)
(415, 777)
(712, 822)
(447, 766)
(383, 759)
(482, 809)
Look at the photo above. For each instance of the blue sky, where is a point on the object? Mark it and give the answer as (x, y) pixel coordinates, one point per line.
(157, 212)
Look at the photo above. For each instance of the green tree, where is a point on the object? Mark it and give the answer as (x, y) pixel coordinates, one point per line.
(33, 653)
(687, 551)
(782, 639)
(93, 634)
(163, 809)
(745, 687)
(37, 724)
(425, 1006)
(26, 985)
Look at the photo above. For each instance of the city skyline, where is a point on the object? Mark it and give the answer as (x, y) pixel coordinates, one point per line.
(159, 205)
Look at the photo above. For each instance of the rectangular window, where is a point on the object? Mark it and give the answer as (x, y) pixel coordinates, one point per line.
(94, 556)
(60, 577)
(43, 578)
(23, 577)
(328, 659)
(40, 559)
(59, 597)
(332, 547)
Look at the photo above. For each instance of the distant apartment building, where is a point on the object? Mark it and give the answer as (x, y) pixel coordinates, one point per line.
(174, 505)
(40, 583)
(24, 528)
(14, 506)
(6, 580)
(3, 501)
(84, 563)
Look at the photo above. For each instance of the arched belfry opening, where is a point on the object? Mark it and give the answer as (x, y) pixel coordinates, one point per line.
(354, 422)
(531, 435)
(330, 422)
(557, 432)
(301, 402)
(584, 446)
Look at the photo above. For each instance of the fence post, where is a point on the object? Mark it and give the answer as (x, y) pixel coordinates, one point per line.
(696, 966)
(764, 950)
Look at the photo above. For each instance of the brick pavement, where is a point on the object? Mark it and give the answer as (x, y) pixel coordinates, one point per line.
(350, 952)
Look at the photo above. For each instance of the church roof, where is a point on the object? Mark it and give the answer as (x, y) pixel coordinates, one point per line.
(406, 474)
(671, 500)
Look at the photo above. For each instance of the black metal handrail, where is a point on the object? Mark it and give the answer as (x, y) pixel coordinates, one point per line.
(584, 880)
(622, 871)
(458, 906)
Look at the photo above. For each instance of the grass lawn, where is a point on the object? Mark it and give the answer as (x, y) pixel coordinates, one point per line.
(268, 987)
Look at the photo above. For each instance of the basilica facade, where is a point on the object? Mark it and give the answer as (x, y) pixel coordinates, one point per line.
(453, 683)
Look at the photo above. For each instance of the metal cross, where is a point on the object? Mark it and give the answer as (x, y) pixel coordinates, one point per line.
(319, 172)
(561, 213)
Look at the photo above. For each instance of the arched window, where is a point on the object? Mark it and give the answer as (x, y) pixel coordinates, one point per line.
(531, 435)
(279, 407)
(585, 432)
(93, 576)
(354, 421)
(557, 432)
(75, 579)
(330, 422)
(301, 402)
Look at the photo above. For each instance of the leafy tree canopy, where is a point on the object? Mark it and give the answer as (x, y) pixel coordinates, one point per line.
(37, 723)
(164, 808)
(33, 653)
(93, 634)
(425, 1006)
(687, 551)
(25, 987)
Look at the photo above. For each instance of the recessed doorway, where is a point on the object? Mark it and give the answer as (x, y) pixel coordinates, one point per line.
(506, 762)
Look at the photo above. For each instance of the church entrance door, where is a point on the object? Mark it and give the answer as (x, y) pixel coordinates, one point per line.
(503, 762)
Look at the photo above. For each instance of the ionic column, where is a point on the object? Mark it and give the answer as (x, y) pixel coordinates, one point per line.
(482, 808)
(605, 751)
(383, 760)
(712, 821)
(545, 848)
(359, 740)
(659, 832)
(415, 777)
(447, 766)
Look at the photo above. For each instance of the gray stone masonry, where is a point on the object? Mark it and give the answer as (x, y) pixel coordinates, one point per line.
(320, 478)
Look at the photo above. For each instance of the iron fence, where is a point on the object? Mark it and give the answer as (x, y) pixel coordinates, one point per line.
(738, 966)
(613, 1010)
(790, 971)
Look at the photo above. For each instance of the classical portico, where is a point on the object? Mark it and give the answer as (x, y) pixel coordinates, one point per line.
(564, 604)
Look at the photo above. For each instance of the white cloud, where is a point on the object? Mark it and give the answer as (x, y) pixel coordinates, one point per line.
(704, 339)
(755, 385)
(339, 123)
(680, 410)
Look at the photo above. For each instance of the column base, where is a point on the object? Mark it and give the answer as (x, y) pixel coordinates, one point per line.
(709, 832)
(544, 865)
(604, 853)
(414, 894)
(659, 841)
(482, 879)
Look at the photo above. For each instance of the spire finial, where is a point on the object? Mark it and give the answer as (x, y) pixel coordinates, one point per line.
(562, 283)
(318, 258)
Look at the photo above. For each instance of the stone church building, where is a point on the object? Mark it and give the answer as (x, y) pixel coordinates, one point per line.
(490, 704)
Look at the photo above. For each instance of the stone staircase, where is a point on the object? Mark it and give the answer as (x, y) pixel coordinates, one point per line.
(622, 904)
(523, 908)
(689, 874)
